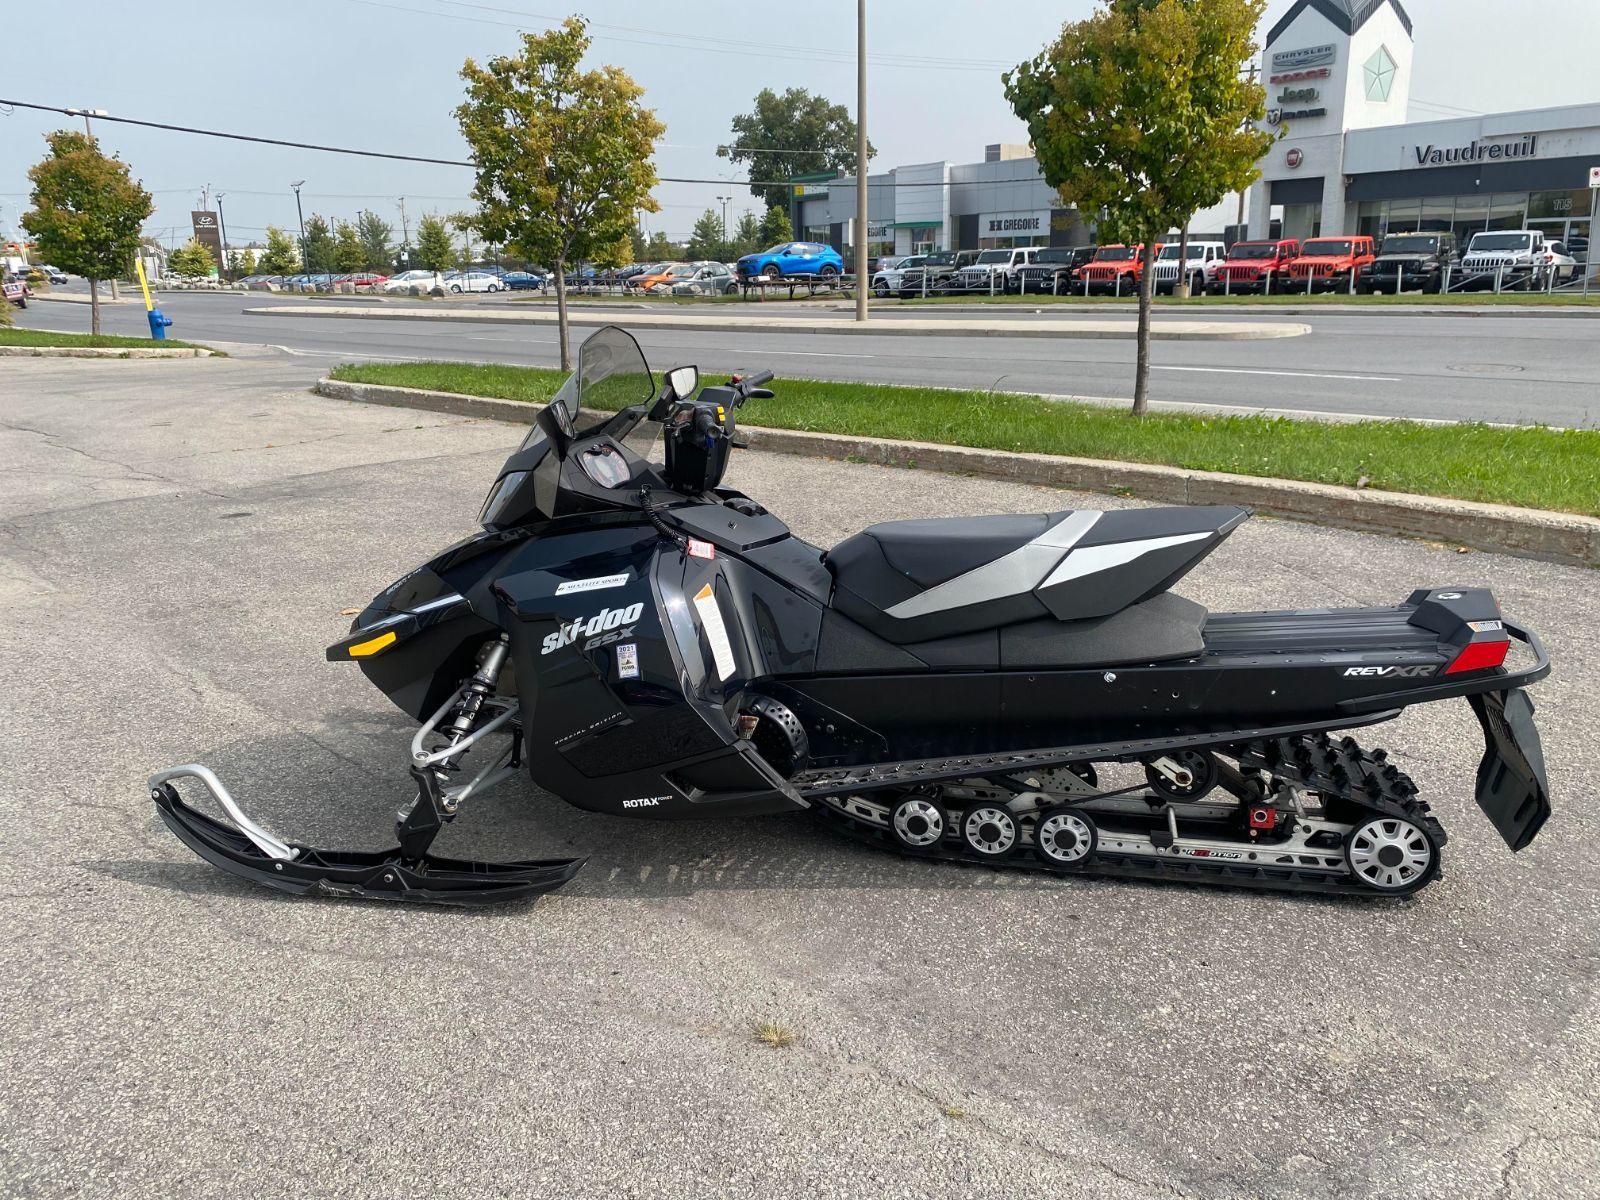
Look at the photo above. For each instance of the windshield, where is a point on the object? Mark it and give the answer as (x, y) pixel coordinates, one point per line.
(1411, 243)
(1326, 249)
(1501, 241)
(994, 256)
(942, 259)
(612, 374)
(1115, 254)
(1254, 250)
(1060, 254)
(682, 269)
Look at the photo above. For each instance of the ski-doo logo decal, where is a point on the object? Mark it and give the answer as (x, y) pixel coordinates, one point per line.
(645, 802)
(605, 622)
(592, 585)
(1392, 672)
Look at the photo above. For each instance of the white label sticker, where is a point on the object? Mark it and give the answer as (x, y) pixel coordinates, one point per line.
(628, 660)
(699, 549)
(591, 585)
(705, 603)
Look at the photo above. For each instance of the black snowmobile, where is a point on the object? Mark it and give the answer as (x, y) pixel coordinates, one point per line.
(1023, 691)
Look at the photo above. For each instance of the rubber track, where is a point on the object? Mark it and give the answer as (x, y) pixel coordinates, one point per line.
(1313, 762)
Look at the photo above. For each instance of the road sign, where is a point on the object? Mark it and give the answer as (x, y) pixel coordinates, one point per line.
(1594, 177)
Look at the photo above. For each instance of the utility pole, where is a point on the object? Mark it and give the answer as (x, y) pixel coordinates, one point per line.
(863, 274)
(405, 234)
(723, 200)
(305, 267)
(86, 113)
(223, 227)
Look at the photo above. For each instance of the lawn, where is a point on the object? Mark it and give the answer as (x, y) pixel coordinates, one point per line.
(41, 337)
(1529, 467)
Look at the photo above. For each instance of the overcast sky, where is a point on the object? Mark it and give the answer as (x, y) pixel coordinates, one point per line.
(381, 74)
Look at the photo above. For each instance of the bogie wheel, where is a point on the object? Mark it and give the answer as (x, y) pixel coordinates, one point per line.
(1065, 836)
(1201, 767)
(918, 822)
(1391, 855)
(990, 830)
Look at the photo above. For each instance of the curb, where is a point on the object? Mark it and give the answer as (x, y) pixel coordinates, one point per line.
(1120, 330)
(100, 352)
(1525, 532)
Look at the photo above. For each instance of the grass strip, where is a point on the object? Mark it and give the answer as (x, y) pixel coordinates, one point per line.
(1529, 467)
(40, 337)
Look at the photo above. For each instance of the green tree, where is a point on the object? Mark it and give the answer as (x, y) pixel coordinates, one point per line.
(191, 261)
(319, 246)
(86, 212)
(241, 263)
(349, 254)
(637, 242)
(377, 242)
(661, 248)
(462, 223)
(1143, 113)
(796, 133)
(435, 250)
(563, 156)
(706, 240)
(746, 236)
(281, 257)
(775, 228)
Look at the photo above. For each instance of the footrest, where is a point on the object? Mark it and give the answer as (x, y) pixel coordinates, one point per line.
(1512, 790)
(374, 875)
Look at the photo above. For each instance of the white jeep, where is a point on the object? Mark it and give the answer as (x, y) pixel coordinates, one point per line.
(1505, 259)
(994, 271)
(1205, 258)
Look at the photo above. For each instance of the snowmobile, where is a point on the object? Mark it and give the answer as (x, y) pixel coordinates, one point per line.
(642, 640)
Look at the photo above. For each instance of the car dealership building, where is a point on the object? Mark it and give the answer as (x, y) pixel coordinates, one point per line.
(1338, 77)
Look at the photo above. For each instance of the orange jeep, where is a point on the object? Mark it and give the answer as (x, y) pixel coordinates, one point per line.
(1331, 264)
(1254, 267)
(1115, 269)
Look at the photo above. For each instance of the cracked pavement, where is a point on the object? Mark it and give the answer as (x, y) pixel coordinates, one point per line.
(177, 540)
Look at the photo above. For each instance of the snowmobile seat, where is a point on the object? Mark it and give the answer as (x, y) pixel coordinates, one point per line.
(919, 581)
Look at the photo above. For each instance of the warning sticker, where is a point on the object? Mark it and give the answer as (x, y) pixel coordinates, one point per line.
(628, 660)
(699, 549)
(705, 603)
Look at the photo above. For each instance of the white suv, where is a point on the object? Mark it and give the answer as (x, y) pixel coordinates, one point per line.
(1516, 258)
(886, 279)
(1201, 268)
(994, 270)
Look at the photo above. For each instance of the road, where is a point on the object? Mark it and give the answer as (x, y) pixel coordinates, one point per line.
(1522, 369)
(177, 540)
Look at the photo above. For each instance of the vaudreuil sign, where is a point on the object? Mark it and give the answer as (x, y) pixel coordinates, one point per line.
(1476, 152)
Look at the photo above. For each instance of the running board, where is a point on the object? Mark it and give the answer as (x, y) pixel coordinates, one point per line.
(251, 853)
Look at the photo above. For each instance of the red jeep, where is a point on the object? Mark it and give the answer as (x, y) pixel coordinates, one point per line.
(1254, 267)
(15, 289)
(1330, 264)
(1115, 269)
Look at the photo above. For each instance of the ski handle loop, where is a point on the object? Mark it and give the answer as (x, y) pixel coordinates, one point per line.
(269, 845)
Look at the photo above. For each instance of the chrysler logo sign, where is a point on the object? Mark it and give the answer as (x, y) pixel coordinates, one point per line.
(1300, 60)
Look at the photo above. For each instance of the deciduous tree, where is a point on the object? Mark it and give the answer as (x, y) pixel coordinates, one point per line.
(796, 133)
(349, 255)
(661, 248)
(563, 155)
(86, 212)
(775, 228)
(319, 245)
(435, 250)
(1143, 114)
(191, 261)
(281, 257)
(377, 242)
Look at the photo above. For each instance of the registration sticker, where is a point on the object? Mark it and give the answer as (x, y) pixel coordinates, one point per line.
(628, 660)
(699, 549)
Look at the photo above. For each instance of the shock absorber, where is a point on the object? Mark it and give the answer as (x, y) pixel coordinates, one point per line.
(478, 689)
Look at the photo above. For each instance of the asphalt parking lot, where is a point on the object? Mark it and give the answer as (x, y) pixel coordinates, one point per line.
(177, 540)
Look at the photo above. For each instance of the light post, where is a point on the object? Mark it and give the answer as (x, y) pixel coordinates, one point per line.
(223, 229)
(305, 267)
(723, 200)
(405, 235)
(863, 273)
(86, 113)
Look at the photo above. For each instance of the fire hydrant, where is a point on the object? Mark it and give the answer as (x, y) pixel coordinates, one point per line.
(159, 322)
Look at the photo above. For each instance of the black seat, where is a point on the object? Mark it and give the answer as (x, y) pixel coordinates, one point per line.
(916, 581)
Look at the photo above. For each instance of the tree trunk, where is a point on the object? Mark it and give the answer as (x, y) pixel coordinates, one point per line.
(561, 314)
(1141, 372)
(1180, 289)
(94, 307)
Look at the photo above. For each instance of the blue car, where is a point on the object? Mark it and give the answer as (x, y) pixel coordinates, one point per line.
(792, 260)
(520, 281)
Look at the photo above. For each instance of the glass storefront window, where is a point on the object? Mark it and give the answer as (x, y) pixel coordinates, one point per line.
(1559, 204)
(1509, 212)
(1369, 221)
(1403, 216)
(1437, 214)
(1472, 215)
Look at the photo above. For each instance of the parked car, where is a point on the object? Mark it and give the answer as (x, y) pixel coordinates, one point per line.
(51, 274)
(522, 281)
(1199, 268)
(789, 260)
(703, 278)
(1054, 269)
(886, 279)
(639, 272)
(935, 273)
(1515, 257)
(1410, 260)
(1330, 264)
(407, 280)
(365, 280)
(1254, 267)
(1115, 269)
(659, 273)
(15, 289)
(1563, 266)
(473, 281)
(994, 271)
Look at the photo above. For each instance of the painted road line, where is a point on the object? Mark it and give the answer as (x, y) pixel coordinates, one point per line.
(1284, 374)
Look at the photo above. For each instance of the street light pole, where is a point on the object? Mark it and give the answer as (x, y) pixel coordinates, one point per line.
(305, 267)
(86, 113)
(862, 273)
(223, 228)
(405, 234)
(724, 201)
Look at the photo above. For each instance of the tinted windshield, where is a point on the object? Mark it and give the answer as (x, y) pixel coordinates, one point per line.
(1059, 254)
(611, 375)
(942, 259)
(1501, 241)
(1115, 254)
(994, 256)
(1411, 243)
(1254, 250)
(1326, 249)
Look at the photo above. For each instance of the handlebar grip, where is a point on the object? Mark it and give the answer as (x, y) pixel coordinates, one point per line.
(757, 379)
(706, 424)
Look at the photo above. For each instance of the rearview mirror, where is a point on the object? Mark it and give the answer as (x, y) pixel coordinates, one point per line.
(683, 381)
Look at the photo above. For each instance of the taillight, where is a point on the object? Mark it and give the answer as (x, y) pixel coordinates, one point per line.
(1476, 656)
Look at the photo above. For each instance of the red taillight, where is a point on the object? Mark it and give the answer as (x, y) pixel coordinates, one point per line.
(1475, 656)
